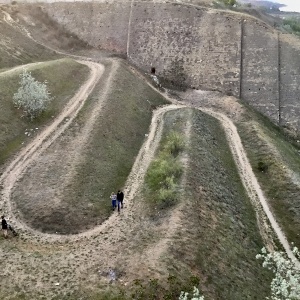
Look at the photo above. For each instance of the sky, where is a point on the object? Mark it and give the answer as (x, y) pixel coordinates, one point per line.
(292, 5)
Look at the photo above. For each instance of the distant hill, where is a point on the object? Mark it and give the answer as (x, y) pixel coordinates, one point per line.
(268, 5)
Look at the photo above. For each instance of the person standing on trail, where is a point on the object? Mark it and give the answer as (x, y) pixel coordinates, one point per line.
(113, 198)
(120, 197)
(4, 226)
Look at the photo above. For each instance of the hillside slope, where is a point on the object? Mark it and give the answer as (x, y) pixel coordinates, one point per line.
(13, 127)
(56, 192)
(103, 142)
(16, 48)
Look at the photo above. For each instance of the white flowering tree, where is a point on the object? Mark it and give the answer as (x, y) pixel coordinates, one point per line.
(32, 96)
(187, 296)
(286, 283)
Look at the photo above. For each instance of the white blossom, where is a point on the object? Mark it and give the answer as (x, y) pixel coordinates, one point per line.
(286, 283)
(195, 296)
(32, 96)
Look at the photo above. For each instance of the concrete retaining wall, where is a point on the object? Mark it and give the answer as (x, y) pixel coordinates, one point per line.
(259, 78)
(290, 81)
(102, 25)
(200, 47)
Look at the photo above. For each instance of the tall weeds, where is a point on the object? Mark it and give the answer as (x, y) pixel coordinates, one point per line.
(165, 171)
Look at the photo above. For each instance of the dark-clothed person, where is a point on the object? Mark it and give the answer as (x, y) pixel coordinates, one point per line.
(120, 198)
(4, 226)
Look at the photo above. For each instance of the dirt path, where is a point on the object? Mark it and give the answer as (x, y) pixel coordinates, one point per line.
(80, 253)
(263, 212)
(259, 201)
(43, 140)
(152, 254)
(251, 184)
(81, 256)
(121, 230)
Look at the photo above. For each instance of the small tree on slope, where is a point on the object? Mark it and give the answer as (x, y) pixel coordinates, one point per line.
(33, 96)
(286, 283)
(187, 296)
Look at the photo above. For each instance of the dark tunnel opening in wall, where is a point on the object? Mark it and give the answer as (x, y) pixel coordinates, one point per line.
(152, 70)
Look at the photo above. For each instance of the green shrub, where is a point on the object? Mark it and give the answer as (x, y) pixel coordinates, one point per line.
(174, 144)
(164, 172)
(169, 183)
(160, 170)
(292, 25)
(229, 2)
(262, 166)
(167, 197)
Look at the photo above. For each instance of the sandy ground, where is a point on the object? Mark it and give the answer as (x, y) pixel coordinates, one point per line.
(49, 264)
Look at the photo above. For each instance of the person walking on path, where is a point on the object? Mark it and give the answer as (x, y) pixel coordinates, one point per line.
(120, 197)
(4, 226)
(113, 198)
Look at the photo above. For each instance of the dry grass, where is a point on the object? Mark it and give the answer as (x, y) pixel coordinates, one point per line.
(12, 124)
(267, 144)
(16, 48)
(83, 167)
(219, 237)
(45, 29)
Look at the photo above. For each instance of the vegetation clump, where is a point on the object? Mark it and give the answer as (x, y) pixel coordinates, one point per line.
(292, 25)
(164, 173)
(174, 144)
(33, 96)
(229, 2)
(225, 3)
(262, 166)
(286, 283)
(194, 296)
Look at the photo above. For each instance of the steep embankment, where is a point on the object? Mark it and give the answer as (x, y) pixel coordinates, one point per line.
(145, 247)
(273, 159)
(276, 164)
(133, 229)
(16, 48)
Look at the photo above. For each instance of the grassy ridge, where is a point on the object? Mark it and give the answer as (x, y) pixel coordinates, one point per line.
(12, 126)
(112, 148)
(165, 171)
(219, 238)
(162, 181)
(266, 145)
(175, 121)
